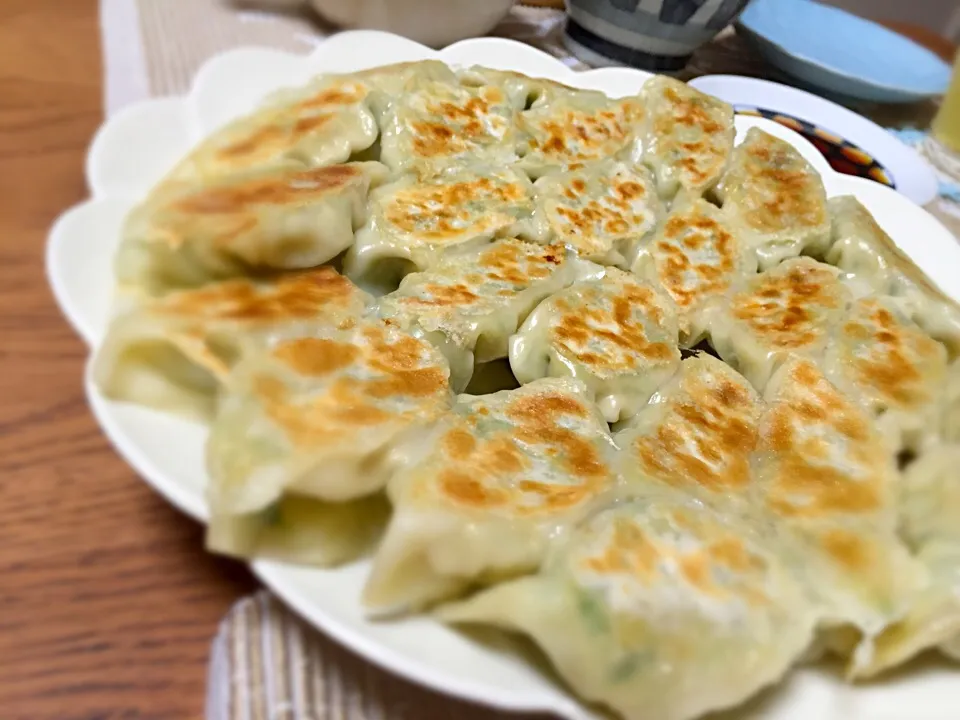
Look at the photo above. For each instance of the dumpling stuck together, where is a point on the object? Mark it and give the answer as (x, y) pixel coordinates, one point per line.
(605, 378)
(469, 305)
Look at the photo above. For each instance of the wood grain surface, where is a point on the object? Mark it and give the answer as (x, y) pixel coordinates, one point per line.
(107, 603)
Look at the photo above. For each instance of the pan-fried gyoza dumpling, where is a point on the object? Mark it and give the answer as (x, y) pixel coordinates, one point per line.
(567, 128)
(175, 353)
(930, 523)
(436, 124)
(697, 434)
(862, 248)
(687, 136)
(324, 122)
(788, 310)
(825, 476)
(505, 471)
(320, 124)
(892, 367)
(602, 210)
(327, 416)
(696, 257)
(469, 304)
(283, 219)
(412, 223)
(659, 607)
(617, 334)
(775, 198)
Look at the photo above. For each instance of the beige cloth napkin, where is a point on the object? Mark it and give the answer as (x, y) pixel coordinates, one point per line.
(267, 664)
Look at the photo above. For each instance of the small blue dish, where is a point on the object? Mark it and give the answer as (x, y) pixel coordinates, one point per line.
(840, 53)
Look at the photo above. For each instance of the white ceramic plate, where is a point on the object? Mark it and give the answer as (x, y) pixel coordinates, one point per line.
(134, 149)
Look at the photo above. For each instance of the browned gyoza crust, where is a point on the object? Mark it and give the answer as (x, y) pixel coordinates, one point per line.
(643, 513)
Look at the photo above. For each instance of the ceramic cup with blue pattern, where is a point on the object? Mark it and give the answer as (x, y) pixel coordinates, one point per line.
(656, 35)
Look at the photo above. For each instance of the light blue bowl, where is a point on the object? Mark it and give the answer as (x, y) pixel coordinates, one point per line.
(845, 55)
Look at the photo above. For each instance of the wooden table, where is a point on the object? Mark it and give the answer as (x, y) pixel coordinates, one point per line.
(107, 602)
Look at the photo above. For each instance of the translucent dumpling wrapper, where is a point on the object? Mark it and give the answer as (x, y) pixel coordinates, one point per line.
(696, 257)
(862, 248)
(413, 224)
(282, 219)
(930, 523)
(331, 416)
(176, 352)
(302, 530)
(697, 435)
(930, 497)
(950, 427)
(659, 607)
(565, 128)
(469, 304)
(617, 334)
(789, 310)
(886, 362)
(602, 210)
(506, 471)
(687, 136)
(433, 125)
(776, 199)
(827, 482)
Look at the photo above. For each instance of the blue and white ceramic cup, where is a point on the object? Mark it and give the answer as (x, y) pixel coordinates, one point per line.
(656, 35)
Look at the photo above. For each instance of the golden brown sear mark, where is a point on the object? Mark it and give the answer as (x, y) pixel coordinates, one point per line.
(707, 438)
(892, 354)
(581, 326)
(809, 482)
(365, 375)
(634, 551)
(581, 136)
(280, 188)
(300, 295)
(439, 212)
(775, 171)
(784, 307)
(687, 280)
(495, 471)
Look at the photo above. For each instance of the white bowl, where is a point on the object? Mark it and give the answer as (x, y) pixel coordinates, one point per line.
(427, 21)
(134, 149)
